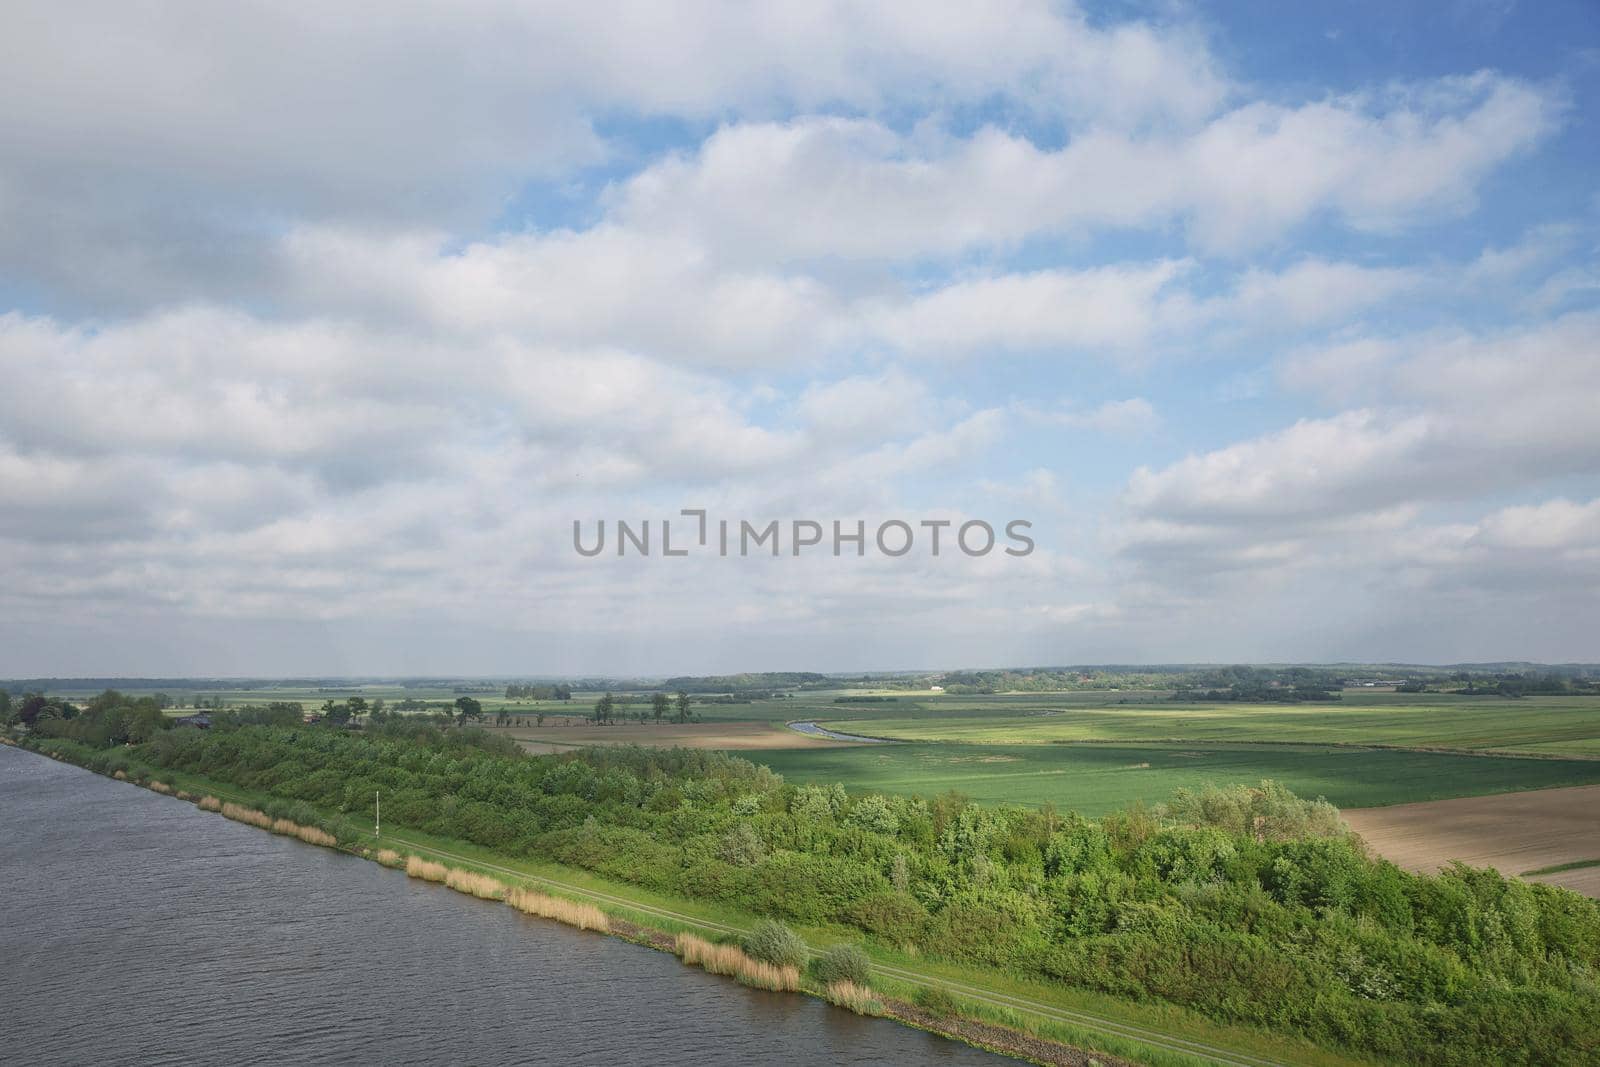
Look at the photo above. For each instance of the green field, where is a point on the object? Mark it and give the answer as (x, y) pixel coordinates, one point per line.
(1549, 725)
(1096, 778)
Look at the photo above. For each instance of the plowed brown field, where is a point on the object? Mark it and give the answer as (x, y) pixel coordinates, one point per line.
(1511, 832)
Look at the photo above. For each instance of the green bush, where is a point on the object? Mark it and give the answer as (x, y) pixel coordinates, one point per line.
(938, 1001)
(842, 963)
(773, 942)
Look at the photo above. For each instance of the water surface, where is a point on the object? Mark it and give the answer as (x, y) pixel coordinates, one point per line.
(135, 928)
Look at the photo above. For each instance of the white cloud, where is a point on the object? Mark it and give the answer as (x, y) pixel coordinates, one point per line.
(854, 188)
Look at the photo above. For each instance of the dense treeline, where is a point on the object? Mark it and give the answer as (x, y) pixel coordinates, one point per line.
(1249, 905)
(109, 719)
(524, 691)
(765, 681)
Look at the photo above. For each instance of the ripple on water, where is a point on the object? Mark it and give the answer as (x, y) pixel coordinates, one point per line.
(144, 930)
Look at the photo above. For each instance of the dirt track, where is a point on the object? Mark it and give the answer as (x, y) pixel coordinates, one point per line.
(1511, 832)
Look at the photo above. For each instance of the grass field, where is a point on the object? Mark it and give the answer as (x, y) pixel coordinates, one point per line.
(1096, 778)
(1534, 725)
(558, 734)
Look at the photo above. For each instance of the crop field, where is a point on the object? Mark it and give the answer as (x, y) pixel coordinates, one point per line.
(1533, 725)
(560, 734)
(1096, 778)
(1518, 834)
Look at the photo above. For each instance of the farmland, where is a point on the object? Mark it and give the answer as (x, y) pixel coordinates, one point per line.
(1521, 833)
(1567, 726)
(1095, 778)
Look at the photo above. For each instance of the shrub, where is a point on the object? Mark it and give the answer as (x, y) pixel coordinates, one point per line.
(842, 963)
(774, 942)
(937, 1000)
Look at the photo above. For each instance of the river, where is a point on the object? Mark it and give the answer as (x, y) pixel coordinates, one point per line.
(135, 928)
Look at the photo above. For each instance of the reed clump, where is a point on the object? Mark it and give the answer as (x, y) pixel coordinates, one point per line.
(562, 910)
(240, 813)
(389, 857)
(182, 795)
(428, 871)
(209, 803)
(121, 776)
(285, 826)
(857, 998)
(732, 960)
(475, 884)
(161, 787)
(780, 978)
(313, 835)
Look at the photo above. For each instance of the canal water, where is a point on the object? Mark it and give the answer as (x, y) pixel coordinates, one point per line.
(135, 928)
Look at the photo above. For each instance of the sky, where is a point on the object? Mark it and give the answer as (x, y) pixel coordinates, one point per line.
(321, 325)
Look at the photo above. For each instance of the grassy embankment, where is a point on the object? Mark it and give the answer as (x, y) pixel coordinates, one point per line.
(1151, 1034)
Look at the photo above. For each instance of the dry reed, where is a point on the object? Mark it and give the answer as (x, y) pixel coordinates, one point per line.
(783, 978)
(731, 960)
(571, 912)
(240, 813)
(417, 867)
(389, 858)
(313, 835)
(121, 776)
(285, 826)
(478, 885)
(185, 796)
(857, 998)
(209, 803)
(161, 787)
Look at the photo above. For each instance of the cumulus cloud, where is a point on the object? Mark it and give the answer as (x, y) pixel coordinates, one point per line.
(855, 188)
(337, 317)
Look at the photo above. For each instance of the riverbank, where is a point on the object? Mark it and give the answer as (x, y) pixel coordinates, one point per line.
(991, 1006)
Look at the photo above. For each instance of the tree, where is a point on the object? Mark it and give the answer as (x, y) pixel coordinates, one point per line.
(604, 708)
(683, 707)
(659, 706)
(538, 720)
(469, 709)
(358, 705)
(30, 708)
(335, 714)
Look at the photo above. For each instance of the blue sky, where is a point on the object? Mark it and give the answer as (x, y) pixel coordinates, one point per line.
(1279, 324)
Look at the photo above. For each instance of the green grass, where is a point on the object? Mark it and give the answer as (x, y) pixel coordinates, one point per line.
(1534, 725)
(1096, 778)
(1577, 865)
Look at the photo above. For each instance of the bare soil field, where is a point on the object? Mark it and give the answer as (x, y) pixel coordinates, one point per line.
(723, 735)
(1511, 832)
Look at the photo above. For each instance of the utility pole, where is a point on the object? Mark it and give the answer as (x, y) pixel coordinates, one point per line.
(377, 814)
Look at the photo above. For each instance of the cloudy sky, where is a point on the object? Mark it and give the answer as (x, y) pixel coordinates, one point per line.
(320, 324)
